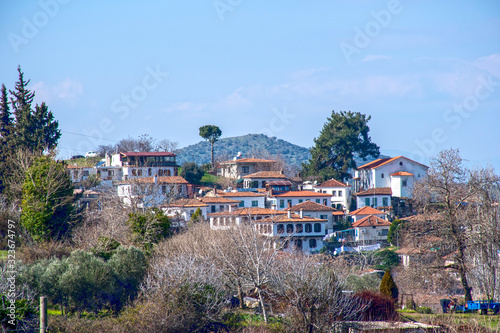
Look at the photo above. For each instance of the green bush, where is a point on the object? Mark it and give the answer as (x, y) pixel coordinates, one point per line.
(424, 309)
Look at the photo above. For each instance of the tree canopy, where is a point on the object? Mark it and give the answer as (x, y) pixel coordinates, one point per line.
(211, 133)
(192, 172)
(344, 135)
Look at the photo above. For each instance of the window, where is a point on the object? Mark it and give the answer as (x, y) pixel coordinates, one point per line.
(381, 175)
(245, 169)
(164, 189)
(110, 173)
(317, 200)
(404, 183)
(367, 201)
(255, 203)
(325, 202)
(150, 172)
(385, 232)
(312, 243)
(134, 172)
(334, 193)
(167, 172)
(282, 203)
(340, 193)
(212, 208)
(339, 206)
(281, 229)
(139, 172)
(85, 173)
(308, 227)
(323, 217)
(298, 244)
(385, 202)
(317, 227)
(298, 228)
(300, 200)
(221, 208)
(375, 204)
(400, 163)
(289, 228)
(289, 202)
(242, 203)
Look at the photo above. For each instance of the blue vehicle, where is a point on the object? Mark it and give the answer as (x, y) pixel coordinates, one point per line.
(483, 306)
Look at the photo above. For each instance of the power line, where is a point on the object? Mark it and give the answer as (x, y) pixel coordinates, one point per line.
(89, 136)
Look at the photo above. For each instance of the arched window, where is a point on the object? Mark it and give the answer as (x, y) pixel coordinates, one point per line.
(289, 228)
(308, 227)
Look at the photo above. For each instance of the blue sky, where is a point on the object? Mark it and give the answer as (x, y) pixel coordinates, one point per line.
(427, 72)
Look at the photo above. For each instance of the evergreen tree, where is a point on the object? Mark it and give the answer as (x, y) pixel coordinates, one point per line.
(388, 286)
(343, 136)
(197, 215)
(211, 133)
(47, 203)
(5, 135)
(35, 130)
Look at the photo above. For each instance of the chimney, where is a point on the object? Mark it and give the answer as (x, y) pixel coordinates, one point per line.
(289, 214)
(230, 208)
(301, 212)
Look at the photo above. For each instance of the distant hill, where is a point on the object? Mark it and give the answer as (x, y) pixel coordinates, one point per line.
(229, 147)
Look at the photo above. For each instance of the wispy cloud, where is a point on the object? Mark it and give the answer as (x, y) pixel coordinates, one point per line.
(68, 90)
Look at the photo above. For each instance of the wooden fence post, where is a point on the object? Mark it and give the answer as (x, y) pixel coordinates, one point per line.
(43, 314)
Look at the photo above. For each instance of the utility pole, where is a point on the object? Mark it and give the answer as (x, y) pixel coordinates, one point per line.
(43, 314)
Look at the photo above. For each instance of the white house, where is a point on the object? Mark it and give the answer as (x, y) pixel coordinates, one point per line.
(240, 167)
(144, 164)
(361, 213)
(218, 204)
(79, 174)
(151, 191)
(246, 199)
(185, 208)
(262, 178)
(341, 193)
(316, 210)
(371, 229)
(399, 173)
(374, 197)
(225, 219)
(288, 199)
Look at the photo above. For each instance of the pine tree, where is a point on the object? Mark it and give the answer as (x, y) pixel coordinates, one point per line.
(388, 287)
(5, 135)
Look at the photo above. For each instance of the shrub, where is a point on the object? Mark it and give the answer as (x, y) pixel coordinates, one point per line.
(377, 307)
(388, 286)
(424, 309)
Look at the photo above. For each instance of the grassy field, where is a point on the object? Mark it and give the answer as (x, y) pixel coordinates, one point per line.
(458, 320)
(3, 255)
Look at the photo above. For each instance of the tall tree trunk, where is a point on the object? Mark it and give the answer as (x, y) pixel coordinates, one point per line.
(261, 300)
(240, 295)
(212, 156)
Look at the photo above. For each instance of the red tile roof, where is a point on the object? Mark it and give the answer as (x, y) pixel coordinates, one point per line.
(302, 194)
(402, 173)
(248, 160)
(376, 191)
(293, 218)
(370, 221)
(381, 161)
(366, 210)
(187, 203)
(332, 183)
(279, 183)
(150, 153)
(310, 206)
(266, 174)
(219, 200)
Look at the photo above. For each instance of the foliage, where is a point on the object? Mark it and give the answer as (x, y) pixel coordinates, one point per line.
(23, 313)
(377, 307)
(47, 203)
(211, 133)
(149, 227)
(388, 286)
(90, 182)
(192, 172)
(395, 226)
(424, 309)
(197, 215)
(386, 259)
(365, 282)
(144, 143)
(343, 135)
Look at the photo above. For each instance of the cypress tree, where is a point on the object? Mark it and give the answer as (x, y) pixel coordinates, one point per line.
(388, 287)
(5, 135)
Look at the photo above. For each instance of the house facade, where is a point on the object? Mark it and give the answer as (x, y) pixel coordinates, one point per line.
(220, 204)
(185, 208)
(291, 198)
(361, 213)
(375, 198)
(240, 167)
(144, 164)
(262, 178)
(398, 173)
(340, 192)
(371, 229)
(316, 210)
(246, 199)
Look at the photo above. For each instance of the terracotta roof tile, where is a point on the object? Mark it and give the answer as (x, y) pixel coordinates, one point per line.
(302, 194)
(402, 173)
(367, 210)
(219, 200)
(151, 153)
(310, 206)
(249, 160)
(381, 161)
(187, 203)
(332, 183)
(257, 211)
(266, 174)
(240, 194)
(293, 218)
(159, 180)
(375, 191)
(370, 221)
